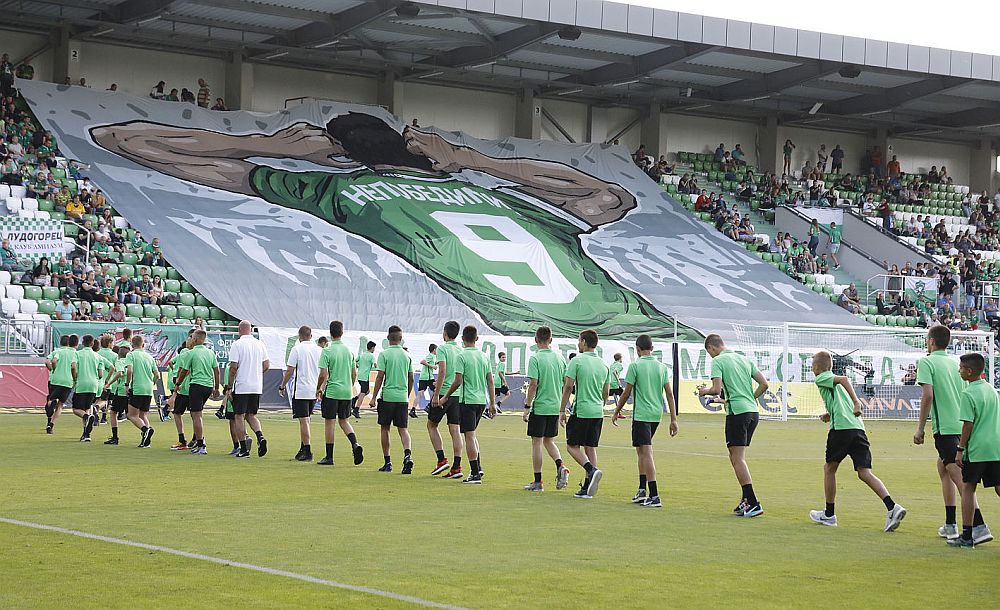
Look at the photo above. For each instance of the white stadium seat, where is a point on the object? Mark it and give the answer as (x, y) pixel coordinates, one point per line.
(9, 307)
(4, 191)
(4, 278)
(15, 292)
(41, 317)
(29, 203)
(120, 223)
(29, 306)
(18, 191)
(13, 204)
(43, 215)
(23, 316)
(26, 213)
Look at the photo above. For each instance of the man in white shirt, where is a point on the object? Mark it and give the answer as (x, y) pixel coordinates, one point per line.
(247, 364)
(303, 371)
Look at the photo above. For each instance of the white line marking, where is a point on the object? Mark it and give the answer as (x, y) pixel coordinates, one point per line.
(235, 564)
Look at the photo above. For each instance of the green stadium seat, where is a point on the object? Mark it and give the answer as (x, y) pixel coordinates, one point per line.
(185, 311)
(183, 321)
(115, 256)
(50, 293)
(171, 286)
(173, 273)
(126, 270)
(130, 258)
(187, 287)
(216, 314)
(200, 311)
(199, 299)
(112, 270)
(92, 218)
(148, 320)
(160, 272)
(880, 320)
(58, 173)
(186, 299)
(70, 229)
(133, 320)
(818, 288)
(168, 310)
(151, 311)
(47, 307)
(911, 321)
(133, 310)
(57, 215)
(46, 205)
(33, 293)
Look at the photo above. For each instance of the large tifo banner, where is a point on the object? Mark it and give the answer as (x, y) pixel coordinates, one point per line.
(33, 238)
(335, 211)
(162, 341)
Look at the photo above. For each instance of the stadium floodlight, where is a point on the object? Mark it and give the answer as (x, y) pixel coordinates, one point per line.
(570, 92)
(277, 55)
(570, 33)
(689, 92)
(699, 107)
(815, 107)
(627, 82)
(483, 65)
(876, 112)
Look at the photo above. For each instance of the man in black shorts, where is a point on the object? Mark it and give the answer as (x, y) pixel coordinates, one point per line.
(62, 378)
(366, 361)
(200, 369)
(395, 381)
(546, 371)
(248, 362)
(115, 385)
(474, 377)
(335, 388)
(447, 359)
(140, 379)
(299, 385)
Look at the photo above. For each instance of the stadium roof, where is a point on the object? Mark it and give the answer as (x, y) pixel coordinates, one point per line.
(584, 50)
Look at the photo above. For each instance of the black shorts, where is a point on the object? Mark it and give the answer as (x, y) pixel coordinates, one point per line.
(106, 395)
(947, 447)
(119, 404)
(392, 414)
(615, 392)
(854, 443)
(739, 429)
(230, 415)
(543, 426)
(334, 408)
(58, 392)
(987, 472)
(246, 404)
(84, 400)
(139, 402)
(181, 403)
(583, 431)
(502, 391)
(643, 432)
(303, 407)
(469, 416)
(450, 408)
(424, 384)
(198, 395)
(364, 386)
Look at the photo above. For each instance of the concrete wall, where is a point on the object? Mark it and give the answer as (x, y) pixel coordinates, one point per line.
(275, 84)
(917, 156)
(698, 134)
(136, 71)
(807, 142)
(479, 113)
(571, 115)
(19, 45)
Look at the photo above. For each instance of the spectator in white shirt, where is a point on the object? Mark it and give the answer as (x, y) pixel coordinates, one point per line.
(302, 369)
(247, 363)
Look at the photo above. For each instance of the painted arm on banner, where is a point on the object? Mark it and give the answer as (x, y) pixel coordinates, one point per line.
(216, 159)
(926, 400)
(761, 385)
(588, 198)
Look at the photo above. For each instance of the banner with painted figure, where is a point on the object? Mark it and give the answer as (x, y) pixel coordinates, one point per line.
(331, 210)
(162, 341)
(33, 238)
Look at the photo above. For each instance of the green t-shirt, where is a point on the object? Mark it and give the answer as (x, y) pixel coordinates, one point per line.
(338, 361)
(736, 372)
(109, 356)
(180, 361)
(63, 374)
(836, 233)
(366, 360)
(143, 372)
(123, 343)
(473, 366)
(941, 372)
(590, 375)
(548, 369)
(89, 366)
(466, 232)
(616, 376)
(448, 352)
(838, 403)
(647, 375)
(225, 382)
(396, 364)
(118, 387)
(499, 373)
(201, 364)
(427, 372)
(981, 406)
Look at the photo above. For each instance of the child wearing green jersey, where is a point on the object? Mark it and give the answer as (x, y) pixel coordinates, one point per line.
(474, 377)
(846, 438)
(90, 368)
(616, 380)
(110, 357)
(140, 379)
(335, 387)
(366, 361)
(546, 371)
(941, 388)
(447, 358)
(500, 381)
(590, 379)
(979, 448)
(199, 372)
(60, 380)
(425, 387)
(395, 379)
(179, 400)
(649, 380)
(115, 384)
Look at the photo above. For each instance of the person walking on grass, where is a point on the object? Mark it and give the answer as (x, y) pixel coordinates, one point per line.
(335, 388)
(394, 379)
(546, 372)
(589, 379)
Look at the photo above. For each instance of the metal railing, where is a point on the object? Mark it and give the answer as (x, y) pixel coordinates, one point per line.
(25, 337)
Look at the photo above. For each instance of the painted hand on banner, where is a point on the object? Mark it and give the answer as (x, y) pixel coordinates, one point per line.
(444, 156)
(310, 143)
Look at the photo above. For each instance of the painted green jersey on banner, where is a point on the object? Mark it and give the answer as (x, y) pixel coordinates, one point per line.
(516, 263)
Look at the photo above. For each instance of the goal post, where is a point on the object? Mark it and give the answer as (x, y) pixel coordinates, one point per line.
(881, 362)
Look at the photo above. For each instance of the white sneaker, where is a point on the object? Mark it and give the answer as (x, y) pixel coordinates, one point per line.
(981, 534)
(819, 516)
(949, 531)
(894, 518)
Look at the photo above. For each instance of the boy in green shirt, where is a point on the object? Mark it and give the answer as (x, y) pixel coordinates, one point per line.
(61, 367)
(473, 375)
(941, 387)
(500, 381)
(395, 379)
(846, 438)
(616, 380)
(733, 374)
(179, 400)
(979, 449)
(425, 387)
(109, 360)
(649, 380)
(590, 379)
(115, 383)
(546, 371)
(140, 379)
(335, 388)
(90, 369)
(366, 361)
(447, 358)
(199, 372)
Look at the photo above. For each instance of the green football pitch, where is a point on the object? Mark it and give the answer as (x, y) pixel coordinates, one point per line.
(274, 533)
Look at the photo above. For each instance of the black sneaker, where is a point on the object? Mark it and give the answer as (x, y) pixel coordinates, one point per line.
(111, 441)
(192, 443)
(356, 413)
(148, 439)
(243, 454)
(325, 462)
(262, 447)
(582, 492)
(407, 467)
(121, 416)
(48, 428)
(386, 468)
(413, 412)
(85, 439)
(474, 479)
(359, 455)
(305, 456)
(486, 413)
(249, 442)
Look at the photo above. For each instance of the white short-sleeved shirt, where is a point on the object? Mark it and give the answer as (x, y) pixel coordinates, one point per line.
(305, 358)
(249, 352)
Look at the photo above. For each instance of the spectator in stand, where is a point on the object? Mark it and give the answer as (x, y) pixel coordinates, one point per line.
(204, 93)
(837, 159)
(125, 290)
(814, 232)
(8, 258)
(75, 209)
(220, 104)
(6, 76)
(156, 291)
(875, 161)
(892, 168)
(880, 305)
(886, 213)
(845, 302)
(65, 309)
(42, 272)
(932, 176)
(117, 313)
(186, 96)
(702, 203)
(172, 96)
(720, 153)
(113, 88)
(943, 176)
(157, 92)
(821, 157)
(739, 156)
(786, 152)
(108, 290)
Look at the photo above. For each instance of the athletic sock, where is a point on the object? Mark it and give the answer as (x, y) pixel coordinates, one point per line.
(353, 439)
(201, 442)
(307, 449)
(538, 477)
(260, 435)
(440, 455)
(236, 445)
(474, 466)
(49, 410)
(114, 433)
(889, 504)
(966, 532)
(949, 516)
(642, 481)
(244, 446)
(978, 519)
(388, 460)
(143, 429)
(302, 447)
(180, 438)
(829, 510)
(559, 464)
(749, 495)
(406, 454)
(653, 492)
(329, 451)
(457, 462)
(589, 468)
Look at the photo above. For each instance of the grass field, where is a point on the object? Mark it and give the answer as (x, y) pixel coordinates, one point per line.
(488, 546)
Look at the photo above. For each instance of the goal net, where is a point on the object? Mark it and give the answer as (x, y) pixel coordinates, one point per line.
(881, 362)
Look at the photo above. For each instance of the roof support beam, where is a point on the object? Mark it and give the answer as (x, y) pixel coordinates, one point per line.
(262, 8)
(641, 65)
(506, 43)
(777, 81)
(137, 10)
(974, 117)
(326, 28)
(891, 98)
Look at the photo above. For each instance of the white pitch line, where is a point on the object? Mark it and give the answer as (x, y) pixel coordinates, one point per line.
(235, 564)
